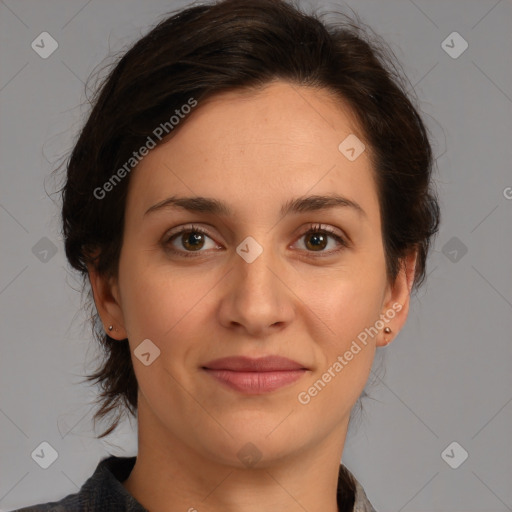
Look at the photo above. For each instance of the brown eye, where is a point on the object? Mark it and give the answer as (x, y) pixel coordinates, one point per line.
(318, 238)
(188, 241)
(192, 240)
(316, 241)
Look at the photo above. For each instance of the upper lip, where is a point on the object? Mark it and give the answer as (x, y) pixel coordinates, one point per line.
(248, 364)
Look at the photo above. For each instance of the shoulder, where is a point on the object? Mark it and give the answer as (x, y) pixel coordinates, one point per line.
(102, 492)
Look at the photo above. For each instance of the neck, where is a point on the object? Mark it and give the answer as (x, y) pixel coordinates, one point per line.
(170, 476)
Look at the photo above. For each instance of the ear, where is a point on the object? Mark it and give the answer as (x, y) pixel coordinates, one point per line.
(108, 303)
(397, 300)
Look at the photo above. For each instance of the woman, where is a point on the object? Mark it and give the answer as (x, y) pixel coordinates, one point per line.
(251, 203)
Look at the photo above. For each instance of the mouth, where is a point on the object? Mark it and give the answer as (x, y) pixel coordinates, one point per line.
(255, 376)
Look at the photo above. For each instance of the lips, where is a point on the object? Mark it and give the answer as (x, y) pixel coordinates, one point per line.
(247, 364)
(255, 376)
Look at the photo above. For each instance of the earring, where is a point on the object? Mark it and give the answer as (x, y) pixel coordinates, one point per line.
(110, 327)
(387, 330)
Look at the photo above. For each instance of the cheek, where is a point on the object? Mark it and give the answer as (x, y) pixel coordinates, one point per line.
(156, 304)
(346, 301)
(155, 297)
(346, 313)
(346, 352)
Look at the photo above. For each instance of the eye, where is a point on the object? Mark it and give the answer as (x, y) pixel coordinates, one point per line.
(191, 239)
(317, 239)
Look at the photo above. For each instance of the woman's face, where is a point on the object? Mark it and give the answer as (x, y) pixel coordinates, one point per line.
(254, 282)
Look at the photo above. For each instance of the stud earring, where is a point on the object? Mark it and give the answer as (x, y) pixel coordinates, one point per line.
(110, 327)
(387, 330)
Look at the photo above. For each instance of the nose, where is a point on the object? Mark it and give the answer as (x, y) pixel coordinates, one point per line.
(257, 297)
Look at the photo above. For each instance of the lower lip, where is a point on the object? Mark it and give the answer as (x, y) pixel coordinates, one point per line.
(255, 383)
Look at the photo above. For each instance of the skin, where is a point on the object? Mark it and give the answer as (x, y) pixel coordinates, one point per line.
(253, 151)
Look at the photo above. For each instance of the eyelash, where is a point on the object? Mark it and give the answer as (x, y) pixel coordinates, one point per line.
(312, 229)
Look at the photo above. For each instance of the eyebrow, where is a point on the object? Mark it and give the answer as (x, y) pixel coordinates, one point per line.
(298, 205)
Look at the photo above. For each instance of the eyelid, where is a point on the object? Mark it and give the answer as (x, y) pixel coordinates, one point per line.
(183, 228)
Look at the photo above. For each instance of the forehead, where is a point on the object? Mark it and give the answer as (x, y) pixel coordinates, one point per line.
(259, 145)
(281, 114)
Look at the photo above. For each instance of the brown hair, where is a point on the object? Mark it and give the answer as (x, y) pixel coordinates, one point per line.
(241, 44)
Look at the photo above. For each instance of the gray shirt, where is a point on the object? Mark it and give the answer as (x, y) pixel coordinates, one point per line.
(104, 492)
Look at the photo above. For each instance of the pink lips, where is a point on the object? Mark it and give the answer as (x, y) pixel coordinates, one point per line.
(255, 376)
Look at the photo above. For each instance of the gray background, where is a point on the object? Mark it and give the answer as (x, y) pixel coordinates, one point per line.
(447, 374)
